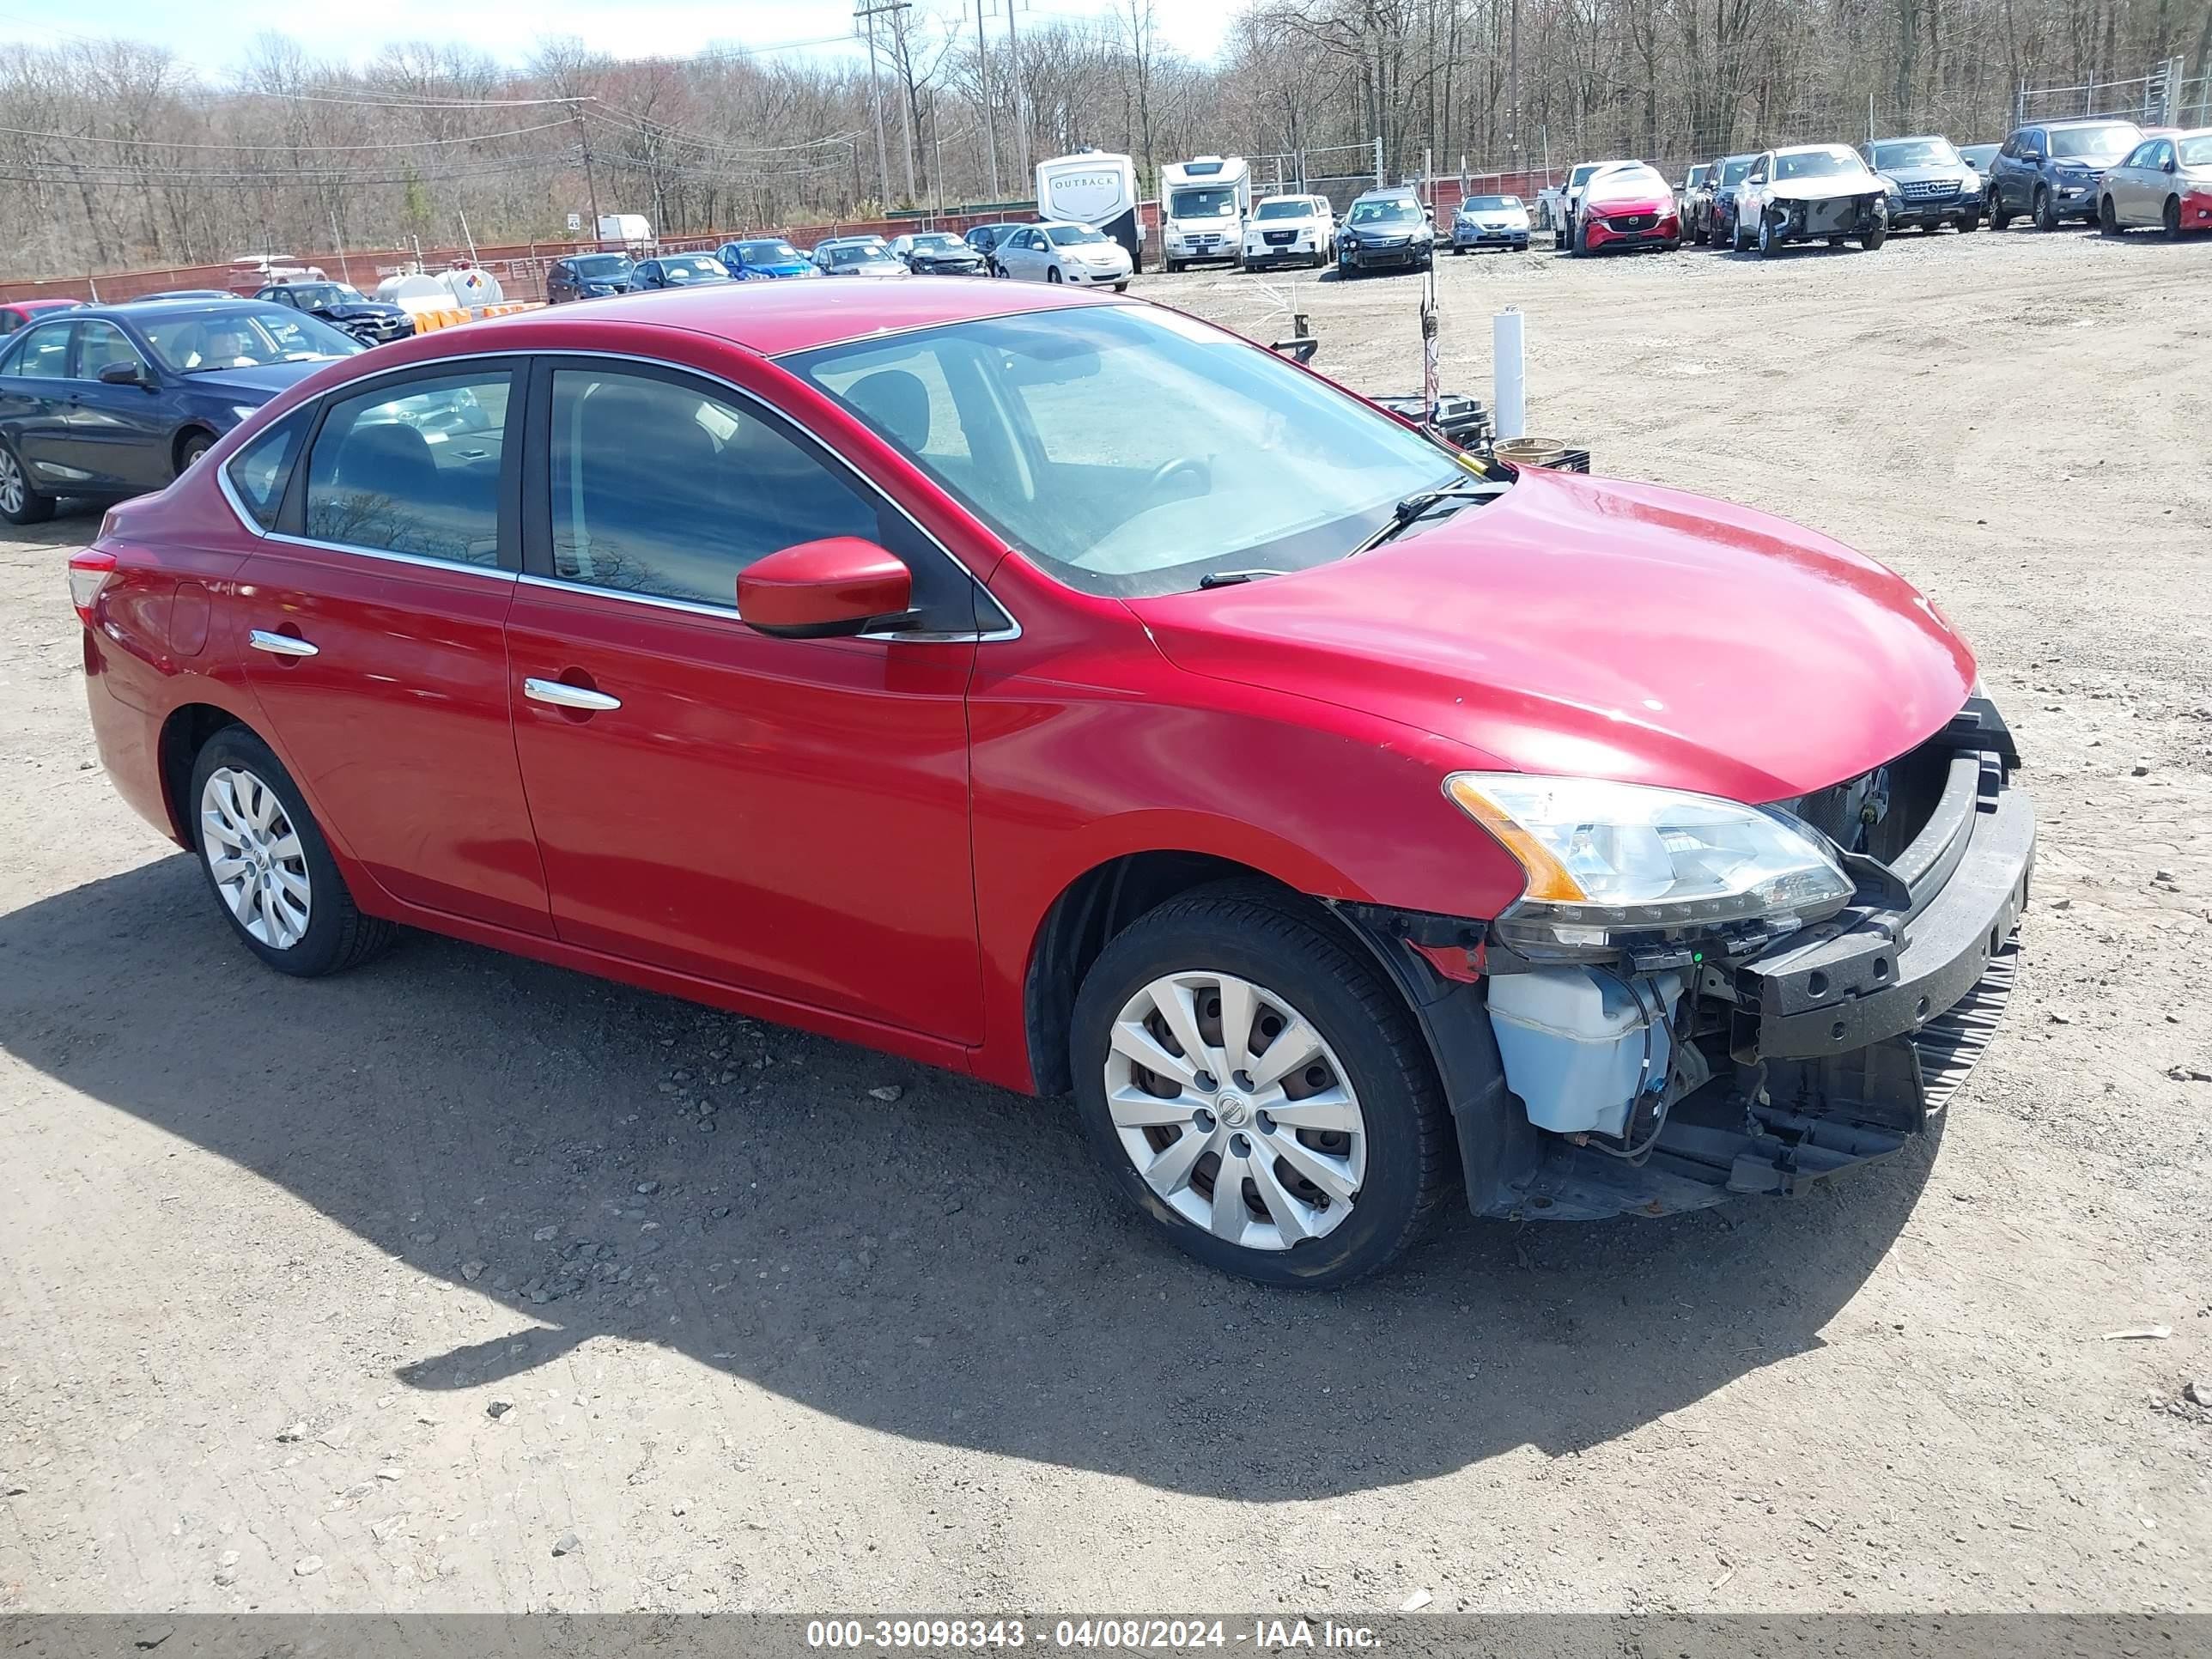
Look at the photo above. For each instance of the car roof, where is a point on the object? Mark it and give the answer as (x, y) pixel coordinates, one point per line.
(1911, 138)
(775, 318)
(2080, 121)
(138, 310)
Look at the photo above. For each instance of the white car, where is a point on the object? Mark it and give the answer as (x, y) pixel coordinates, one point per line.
(1299, 230)
(1058, 251)
(1490, 222)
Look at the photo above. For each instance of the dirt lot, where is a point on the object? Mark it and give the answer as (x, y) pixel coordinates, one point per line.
(276, 1254)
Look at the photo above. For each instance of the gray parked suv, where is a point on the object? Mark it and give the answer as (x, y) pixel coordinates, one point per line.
(2050, 169)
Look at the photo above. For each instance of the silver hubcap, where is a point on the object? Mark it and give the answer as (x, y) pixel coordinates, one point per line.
(255, 856)
(11, 482)
(1234, 1111)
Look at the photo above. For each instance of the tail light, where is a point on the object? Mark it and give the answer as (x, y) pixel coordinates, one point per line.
(88, 572)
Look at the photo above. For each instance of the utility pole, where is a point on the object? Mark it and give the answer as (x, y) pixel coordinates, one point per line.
(1513, 101)
(590, 186)
(990, 128)
(866, 15)
(1021, 120)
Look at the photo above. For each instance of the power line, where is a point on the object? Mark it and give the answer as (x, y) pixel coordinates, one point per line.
(283, 144)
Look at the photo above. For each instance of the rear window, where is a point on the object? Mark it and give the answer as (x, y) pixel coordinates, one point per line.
(260, 470)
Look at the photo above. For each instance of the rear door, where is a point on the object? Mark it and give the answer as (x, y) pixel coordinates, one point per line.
(34, 387)
(788, 815)
(372, 620)
(118, 435)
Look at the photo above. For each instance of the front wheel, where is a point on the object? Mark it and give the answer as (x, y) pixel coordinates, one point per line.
(1875, 238)
(192, 449)
(269, 868)
(1769, 244)
(1970, 221)
(1052, 274)
(2172, 218)
(2108, 222)
(19, 502)
(2046, 214)
(2000, 215)
(1250, 1083)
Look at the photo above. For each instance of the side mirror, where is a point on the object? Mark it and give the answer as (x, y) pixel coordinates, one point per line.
(835, 587)
(123, 375)
(2167, 166)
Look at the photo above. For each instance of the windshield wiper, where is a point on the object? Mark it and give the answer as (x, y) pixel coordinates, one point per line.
(1231, 578)
(1414, 506)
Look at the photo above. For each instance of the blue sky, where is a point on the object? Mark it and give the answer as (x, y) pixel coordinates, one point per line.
(506, 27)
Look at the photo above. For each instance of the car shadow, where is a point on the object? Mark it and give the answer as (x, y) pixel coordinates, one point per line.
(943, 1267)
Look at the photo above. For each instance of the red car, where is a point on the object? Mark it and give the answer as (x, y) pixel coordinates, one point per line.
(1062, 691)
(20, 313)
(1627, 207)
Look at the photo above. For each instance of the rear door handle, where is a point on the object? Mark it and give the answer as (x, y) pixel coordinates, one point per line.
(562, 695)
(279, 645)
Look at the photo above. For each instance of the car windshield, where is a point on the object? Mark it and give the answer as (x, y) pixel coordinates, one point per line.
(693, 268)
(199, 342)
(2094, 141)
(1735, 168)
(767, 253)
(1290, 209)
(1818, 164)
(1132, 451)
(1629, 181)
(1916, 152)
(1072, 235)
(314, 297)
(1492, 204)
(1581, 175)
(931, 241)
(600, 267)
(854, 256)
(2195, 152)
(1202, 202)
(1392, 211)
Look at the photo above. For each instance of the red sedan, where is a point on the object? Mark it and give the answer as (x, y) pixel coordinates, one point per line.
(1627, 207)
(1062, 691)
(22, 314)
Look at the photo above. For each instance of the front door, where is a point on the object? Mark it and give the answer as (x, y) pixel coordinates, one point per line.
(118, 435)
(787, 816)
(372, 624)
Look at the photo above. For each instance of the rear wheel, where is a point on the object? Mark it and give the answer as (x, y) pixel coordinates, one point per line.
(1251, 1083)
(2172, 217)
(19, 502)
(269, 868)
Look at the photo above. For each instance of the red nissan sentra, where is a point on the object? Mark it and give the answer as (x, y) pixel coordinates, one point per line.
(1062, 691)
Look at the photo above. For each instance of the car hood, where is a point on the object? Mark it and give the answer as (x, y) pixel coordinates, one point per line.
(359, 311)
(1947, 172)
(1604, 630)
(1827, 188)
(263, 380)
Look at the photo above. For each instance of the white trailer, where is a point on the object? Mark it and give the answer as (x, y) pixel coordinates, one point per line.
(1203, 202)
(1093, 187)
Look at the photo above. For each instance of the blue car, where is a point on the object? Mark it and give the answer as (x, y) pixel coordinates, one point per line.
(761, 257)
(110, 401)
(679, 271)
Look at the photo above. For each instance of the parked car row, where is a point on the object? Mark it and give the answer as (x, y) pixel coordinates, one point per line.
(2105, 172)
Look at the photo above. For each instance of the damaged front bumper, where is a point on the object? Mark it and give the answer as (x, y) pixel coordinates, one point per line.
(1793, 1061)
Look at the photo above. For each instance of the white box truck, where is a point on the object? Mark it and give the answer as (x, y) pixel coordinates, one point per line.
(1092, 187)
(1203, 202)
(630, 229)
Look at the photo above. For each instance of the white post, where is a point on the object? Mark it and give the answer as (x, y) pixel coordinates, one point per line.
(1509, 379)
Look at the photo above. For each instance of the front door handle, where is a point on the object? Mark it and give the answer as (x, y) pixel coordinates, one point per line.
(562, 695)
(279, 645)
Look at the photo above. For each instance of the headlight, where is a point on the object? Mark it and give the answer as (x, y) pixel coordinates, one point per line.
(1605, 858)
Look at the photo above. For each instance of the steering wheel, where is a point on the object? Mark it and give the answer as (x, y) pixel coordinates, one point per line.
(1201, 475)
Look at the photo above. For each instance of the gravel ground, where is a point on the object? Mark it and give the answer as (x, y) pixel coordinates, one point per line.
(461, 1283)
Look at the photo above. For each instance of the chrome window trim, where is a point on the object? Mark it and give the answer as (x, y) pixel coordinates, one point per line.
(730, 613)
(1011, 631)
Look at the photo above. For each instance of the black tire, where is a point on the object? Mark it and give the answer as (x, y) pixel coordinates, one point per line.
(2000, 215)
(1875, 238)
(1122, 286)
(1457, 249)
(1052, 274)
(1174, 266)
(1272, 938)
(1770, 244)
(195, 445)
(2108, 221)
(2046, 216)
(30, 506)
(1969, 222)
(1835, 241)
(337, 935)
(998, 270)
(1582, 249)
(2172, 217)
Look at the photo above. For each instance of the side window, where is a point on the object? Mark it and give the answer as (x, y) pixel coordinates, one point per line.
(413, 469)
(260, 472)
(2163, 154)
(100, 344)
(44, 354)
(9, 322)
(666, 488)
